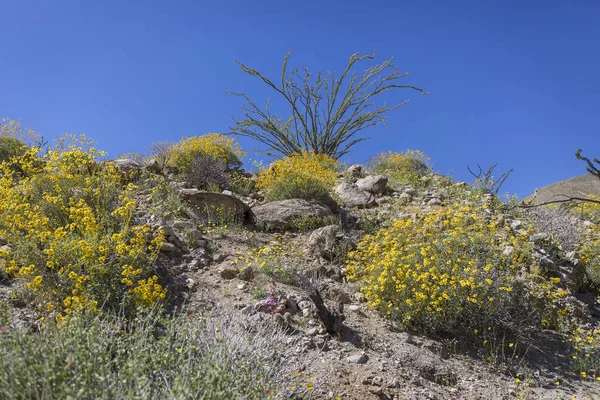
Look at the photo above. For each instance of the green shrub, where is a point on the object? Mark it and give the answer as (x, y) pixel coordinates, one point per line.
(298, 185)
(401, 168)
(590, 255)
(10, 147)
(214, 144)
(111, 358)
(446, 274)
(304, 176)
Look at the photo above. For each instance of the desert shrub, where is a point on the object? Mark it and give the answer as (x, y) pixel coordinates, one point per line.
(213, 144)
(401, 168)
(111, 358)
(590, 256)
(305, 175)
(585, 356)
(72, 239)
(241, 184)
(205, 170)
(560, 224)
(10, 147)
(445, 273)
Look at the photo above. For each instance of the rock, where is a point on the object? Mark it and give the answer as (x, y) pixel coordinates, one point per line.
(321, 242)
(405, 198)
(434, 202)
(538, 237)
(167, 230)
(3, 241)
(153, 166)
(228, 273)
(360, 358)
(225, 205)
(355, 171)
(170, 248)
(508, 250)
(280, 214)
(351, 196)
(190, 283)
(126, 165)
(376, 390)
(373, 184)
(5, 249)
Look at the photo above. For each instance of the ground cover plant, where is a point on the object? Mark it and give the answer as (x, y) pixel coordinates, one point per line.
(111, 357)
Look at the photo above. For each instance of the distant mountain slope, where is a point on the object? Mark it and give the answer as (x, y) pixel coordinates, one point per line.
(579, 186)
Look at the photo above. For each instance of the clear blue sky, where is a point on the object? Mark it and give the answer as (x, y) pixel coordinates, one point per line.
(514, 82)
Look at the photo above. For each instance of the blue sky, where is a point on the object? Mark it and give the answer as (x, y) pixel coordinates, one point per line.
(512, 82)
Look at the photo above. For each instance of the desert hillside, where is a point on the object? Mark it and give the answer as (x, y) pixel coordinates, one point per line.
(578, 186)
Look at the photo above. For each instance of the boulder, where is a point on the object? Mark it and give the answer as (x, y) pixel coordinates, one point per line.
(127, 165)
(373, 184)
(280, 214)
(351, 196)
(224, 204)
(355, 171)
(154, 166)
(321, 242)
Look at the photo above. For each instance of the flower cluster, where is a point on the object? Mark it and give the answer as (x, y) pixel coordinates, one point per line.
(72, 243)
(304, 175)
(407, 167)
(590, 255)
(213, 144)
(447, 271)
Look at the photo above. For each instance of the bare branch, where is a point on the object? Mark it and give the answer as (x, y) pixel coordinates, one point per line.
(322, 119)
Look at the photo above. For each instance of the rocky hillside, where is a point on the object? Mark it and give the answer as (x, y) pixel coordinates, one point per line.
(578, 186)
(392, 282)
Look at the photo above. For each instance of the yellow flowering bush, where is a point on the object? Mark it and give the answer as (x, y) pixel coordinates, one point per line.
(213, 144)
(585, 359)
(590, 256)
(71, 237)
(305, 175)
(401, 168)
(446, 272)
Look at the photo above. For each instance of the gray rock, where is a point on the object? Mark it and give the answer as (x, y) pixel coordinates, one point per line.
(538, 237)
(355, 171)
(223, 204)
(434, 202)
(167, 230)
(360, 358)
(154, 166)
(280, 214)
(373, 184)
(190, 283)
(170, 248)
(406, 197)
(321, 242)
(351, 196)
(126, 165)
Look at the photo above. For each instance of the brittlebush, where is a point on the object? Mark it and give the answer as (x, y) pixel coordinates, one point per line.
(306, 175)
(446, 273)
(590, 256)
(216, 145)
(401, 168)
(68, 221)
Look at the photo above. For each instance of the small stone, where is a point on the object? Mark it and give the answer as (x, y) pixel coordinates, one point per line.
(169, 248)
(241, 286)
(190, 283)
(376, 390)
(538, 237)
(360, 358)
(312, 331)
